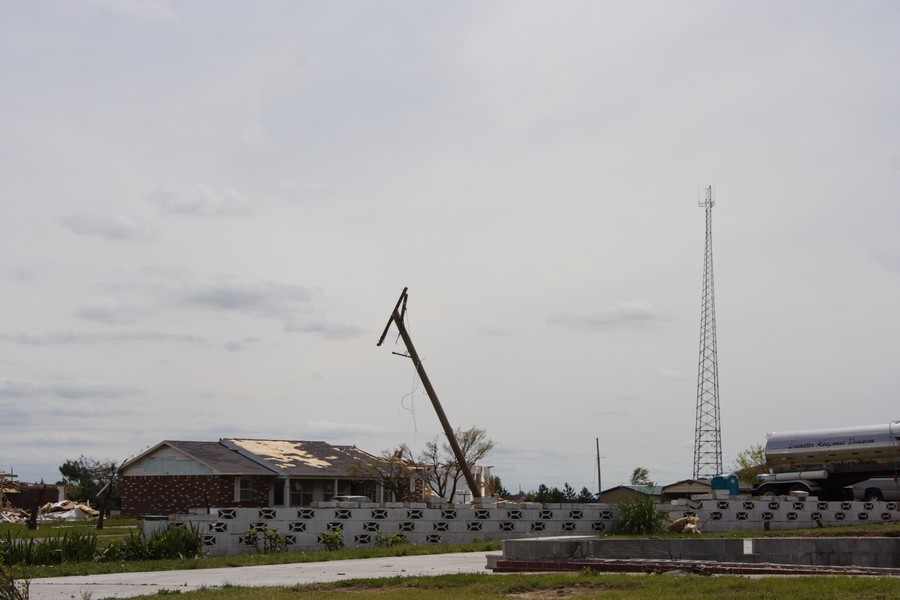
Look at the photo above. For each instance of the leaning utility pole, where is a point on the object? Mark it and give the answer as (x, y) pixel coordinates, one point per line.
(708, 431)
(397, 317)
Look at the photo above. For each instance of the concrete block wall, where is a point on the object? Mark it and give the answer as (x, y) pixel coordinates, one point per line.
(225, 529)
(753, 514)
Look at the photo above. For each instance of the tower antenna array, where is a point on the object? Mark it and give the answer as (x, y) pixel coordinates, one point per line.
(708, 430)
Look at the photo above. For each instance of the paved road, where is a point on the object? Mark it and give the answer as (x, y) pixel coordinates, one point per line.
(124, 585)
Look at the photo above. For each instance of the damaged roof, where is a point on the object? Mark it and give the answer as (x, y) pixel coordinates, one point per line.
(299, 458)
(214, 455)
(221, 458)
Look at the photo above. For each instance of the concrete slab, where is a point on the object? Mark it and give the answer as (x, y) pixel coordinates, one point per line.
(124, 585)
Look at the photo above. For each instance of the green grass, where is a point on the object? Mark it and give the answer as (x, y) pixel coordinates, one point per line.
(580, 586)
(112, 528)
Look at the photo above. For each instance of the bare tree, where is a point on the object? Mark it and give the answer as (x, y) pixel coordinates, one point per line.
(393, 470)
(437, 467)
(442, 471)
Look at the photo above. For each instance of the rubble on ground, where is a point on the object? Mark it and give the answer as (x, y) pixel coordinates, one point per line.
(13, 515)
(67, 510)
(684, 525)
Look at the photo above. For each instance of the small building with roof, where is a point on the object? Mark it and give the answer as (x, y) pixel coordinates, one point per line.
(622, 493)
(685, 489)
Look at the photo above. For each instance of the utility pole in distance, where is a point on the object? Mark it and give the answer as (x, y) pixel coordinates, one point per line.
(397, 318)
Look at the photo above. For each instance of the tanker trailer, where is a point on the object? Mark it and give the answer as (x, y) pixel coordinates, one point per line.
(824, 461)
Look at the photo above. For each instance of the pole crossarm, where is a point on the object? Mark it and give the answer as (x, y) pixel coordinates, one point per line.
(397, 318)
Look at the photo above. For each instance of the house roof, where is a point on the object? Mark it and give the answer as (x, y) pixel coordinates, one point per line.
(689, 484)
(212, 454)
(221, 458)
(299, 458)
(267, 457)
(650, 490)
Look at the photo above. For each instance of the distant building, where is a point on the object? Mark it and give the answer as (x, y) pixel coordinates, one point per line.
(621, 493)
(685, 489)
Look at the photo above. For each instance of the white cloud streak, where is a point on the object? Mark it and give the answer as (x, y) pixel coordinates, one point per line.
(325, 329)
(54, 338)
(114, 226)
(201, 201)
(74, 389)
(108, 310)
(627, 315)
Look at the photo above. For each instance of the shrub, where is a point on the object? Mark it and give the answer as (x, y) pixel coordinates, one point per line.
(332, 540)
(640, 517)
(173, 542)
(266, 540)
(68, 547)
(384, 540)
(10, 589)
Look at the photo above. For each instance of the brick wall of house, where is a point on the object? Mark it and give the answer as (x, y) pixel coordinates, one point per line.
(168, 494)
(417, 494)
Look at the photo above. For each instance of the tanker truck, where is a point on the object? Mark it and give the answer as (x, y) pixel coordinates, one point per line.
(824, 462)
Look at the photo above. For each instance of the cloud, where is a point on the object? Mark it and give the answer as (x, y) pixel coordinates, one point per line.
(495, 331)
(13, 416)
(258, 298)
(21, 274)
(888, 261)
(114, 226)
(238, 345)
(330, 429)
(293, 191)
(51, 338)
(145, 10)
(75, 389)
(325, 329)
(201, 201)
(296, 306)
(107, 310)
(673, 374)
(626, 315)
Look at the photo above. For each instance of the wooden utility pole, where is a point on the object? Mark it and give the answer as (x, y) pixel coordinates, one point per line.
(397, 318)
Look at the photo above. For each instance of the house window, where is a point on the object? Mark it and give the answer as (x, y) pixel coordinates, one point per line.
(302, 492)
(243, 489)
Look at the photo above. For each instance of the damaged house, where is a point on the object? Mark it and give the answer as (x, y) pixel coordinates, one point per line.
(177, 476)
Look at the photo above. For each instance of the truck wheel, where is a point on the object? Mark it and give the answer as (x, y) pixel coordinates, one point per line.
(873, 496)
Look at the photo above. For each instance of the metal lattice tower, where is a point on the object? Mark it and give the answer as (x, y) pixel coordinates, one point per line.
(708, 431)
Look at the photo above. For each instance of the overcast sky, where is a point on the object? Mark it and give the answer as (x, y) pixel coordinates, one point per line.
(210, 209)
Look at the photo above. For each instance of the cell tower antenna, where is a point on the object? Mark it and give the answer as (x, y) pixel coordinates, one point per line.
(708, 430)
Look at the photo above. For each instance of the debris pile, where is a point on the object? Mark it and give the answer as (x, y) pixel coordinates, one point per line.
(66, 510)
(684, 525)
(11, 514)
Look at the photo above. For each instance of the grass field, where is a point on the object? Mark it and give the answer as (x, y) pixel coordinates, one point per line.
(577, 586)
(112, 528)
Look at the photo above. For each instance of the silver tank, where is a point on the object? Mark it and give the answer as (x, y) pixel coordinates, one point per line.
(870, 448)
